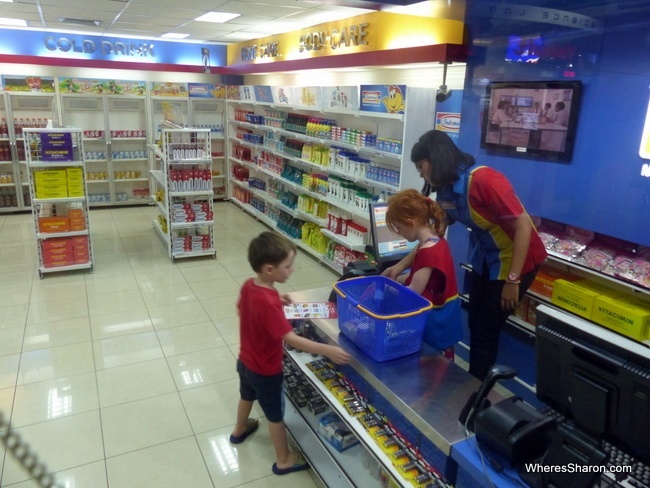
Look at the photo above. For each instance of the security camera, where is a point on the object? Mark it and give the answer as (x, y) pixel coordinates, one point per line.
(443, 93)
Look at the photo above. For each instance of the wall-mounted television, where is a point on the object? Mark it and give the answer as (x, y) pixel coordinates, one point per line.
(536, 119)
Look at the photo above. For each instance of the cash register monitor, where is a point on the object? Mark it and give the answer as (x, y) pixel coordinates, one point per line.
(595, 377)
(388, 247)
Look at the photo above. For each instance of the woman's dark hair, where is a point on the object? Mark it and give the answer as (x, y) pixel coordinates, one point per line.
(447, 161)
(503, 104)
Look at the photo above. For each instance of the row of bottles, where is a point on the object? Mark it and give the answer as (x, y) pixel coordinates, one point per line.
(5, 151)
(20, 124)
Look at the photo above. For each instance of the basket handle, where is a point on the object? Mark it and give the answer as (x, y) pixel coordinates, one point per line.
(395, 316)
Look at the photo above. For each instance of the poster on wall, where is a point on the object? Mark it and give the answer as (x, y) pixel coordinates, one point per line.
(107, 87)
(341, 97)
(232, 92)
(263, 94)
(388, 99)
(283, 95)
(307, 96)
(167, 89)
(43, 84)
(246, 93)
(206, 90)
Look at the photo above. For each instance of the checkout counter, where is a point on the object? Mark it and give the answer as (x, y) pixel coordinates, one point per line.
(422, 394)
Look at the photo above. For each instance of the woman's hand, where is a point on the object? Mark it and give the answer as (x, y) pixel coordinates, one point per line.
(393, 272)
(509, 296)
(286, 299)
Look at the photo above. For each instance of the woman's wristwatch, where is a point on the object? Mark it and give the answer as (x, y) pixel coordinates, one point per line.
(513, 278)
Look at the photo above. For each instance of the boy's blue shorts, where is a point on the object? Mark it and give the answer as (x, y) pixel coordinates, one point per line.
(265, 389)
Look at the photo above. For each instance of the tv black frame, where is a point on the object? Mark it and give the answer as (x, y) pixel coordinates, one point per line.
(564, 155)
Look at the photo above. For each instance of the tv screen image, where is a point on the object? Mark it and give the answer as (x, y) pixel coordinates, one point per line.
(536, 119)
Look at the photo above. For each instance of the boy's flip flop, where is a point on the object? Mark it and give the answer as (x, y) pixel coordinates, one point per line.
(251, 427)
(296, 467)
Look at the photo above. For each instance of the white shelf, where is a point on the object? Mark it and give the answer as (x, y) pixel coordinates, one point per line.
(54, 164)
(355, 246)
(163, 234)
(192, 254)
(92, 182)
(59, 200)
(71, 267)
(350, 466)
(187, 225)
(171, 139)
(127, 180)
(52, 235)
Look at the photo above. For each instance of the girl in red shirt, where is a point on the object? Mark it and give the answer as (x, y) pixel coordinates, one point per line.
(432, 275)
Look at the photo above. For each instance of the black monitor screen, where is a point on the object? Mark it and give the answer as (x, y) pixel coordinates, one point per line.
(597, 378)
(388, 246)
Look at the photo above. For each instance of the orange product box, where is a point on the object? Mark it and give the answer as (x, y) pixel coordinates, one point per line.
(81, 258)
(58, 243)
(546, 276)
(76, 213)
(531, 316)
(522, 308)
(77, 223)
(53, 224)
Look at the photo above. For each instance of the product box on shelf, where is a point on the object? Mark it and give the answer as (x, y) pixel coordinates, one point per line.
(57, 243)
(58, 257)
(579, 296)
(546, 276)
(336, 432)
(53, 224)
(627, 315)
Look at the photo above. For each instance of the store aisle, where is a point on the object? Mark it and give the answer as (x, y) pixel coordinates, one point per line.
(125, 377)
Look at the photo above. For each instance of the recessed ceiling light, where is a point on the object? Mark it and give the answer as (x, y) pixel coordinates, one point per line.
(86, 22)
(18, 22)
(174, 35)
(8, 1)
(218, 17)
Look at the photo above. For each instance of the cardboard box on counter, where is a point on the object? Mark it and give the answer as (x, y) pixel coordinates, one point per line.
(336, 432)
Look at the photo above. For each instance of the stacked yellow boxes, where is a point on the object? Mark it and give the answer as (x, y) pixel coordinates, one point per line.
(59, 183)
(50, 183)
(621, 312)
(75, 182)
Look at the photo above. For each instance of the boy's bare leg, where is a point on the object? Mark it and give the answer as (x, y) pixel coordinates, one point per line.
(284, 457)
(243, 413)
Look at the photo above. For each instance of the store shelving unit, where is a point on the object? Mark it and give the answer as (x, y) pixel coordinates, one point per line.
(59, 199)
(258, 141)
(183, 192)
(115, 138)
(208, 113)
(19, 110)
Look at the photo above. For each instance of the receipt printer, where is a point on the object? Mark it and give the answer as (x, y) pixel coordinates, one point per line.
(514, 429)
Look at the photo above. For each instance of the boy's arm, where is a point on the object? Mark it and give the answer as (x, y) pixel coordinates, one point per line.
(335, 353)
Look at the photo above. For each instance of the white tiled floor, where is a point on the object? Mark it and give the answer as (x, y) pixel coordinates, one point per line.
(125, 377)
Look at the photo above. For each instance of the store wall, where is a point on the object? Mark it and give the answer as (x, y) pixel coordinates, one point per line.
(96, 73)
(426, 76)
(602, 188)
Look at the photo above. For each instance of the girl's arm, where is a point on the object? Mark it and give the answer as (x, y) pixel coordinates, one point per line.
(420, 280)
(394, 271)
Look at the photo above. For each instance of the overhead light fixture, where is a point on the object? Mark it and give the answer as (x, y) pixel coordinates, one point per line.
(217, 17)
(174, 35)
(444, 92)
(7, 1)
(16, 22)
(86, 22)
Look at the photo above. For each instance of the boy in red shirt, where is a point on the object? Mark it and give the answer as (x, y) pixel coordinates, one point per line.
(262, 329)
